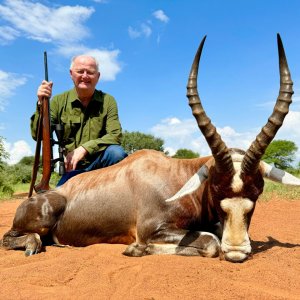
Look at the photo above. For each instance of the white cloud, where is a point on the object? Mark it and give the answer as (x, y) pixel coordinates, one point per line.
(133, 33)
(185, 134)
(36, 21)
(9, 82)
(290, 130)
(291, 125)
(180, 134)
(172, 121)
(108, 62)
(17, 151)
(63, 26)
(143, 31)
(175, 128)
(146, 30)
(160, 15)
(108, 59)
(7, 34)
(234, 139)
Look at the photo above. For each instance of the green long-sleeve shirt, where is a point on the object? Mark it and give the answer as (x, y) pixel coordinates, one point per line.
(94, 127)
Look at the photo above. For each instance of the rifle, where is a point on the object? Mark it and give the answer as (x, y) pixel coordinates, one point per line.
(44, 137)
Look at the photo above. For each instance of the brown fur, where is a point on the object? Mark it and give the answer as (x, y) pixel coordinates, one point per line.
(125, 203)
(120, 204)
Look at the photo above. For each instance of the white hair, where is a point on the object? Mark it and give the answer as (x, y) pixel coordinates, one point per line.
(90, 56)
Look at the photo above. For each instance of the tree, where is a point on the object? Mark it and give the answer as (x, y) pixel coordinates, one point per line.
(281, 153)
(185, 153)
(19, 173)
(3, 153)
(5, 186)
(133, 141)
(27, 161)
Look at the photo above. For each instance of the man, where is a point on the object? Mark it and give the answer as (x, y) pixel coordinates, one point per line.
(92, 130)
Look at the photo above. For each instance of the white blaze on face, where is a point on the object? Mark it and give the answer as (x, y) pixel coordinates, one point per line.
(237, 183)
(235, 240)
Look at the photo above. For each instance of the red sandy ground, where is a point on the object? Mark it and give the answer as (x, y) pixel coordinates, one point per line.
(102, 272)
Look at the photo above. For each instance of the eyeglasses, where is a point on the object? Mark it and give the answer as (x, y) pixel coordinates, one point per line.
(83, 71)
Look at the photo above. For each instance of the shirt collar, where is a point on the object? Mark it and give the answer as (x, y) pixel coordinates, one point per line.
(98, 96)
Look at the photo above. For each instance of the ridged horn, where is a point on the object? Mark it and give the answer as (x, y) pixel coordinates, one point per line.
(220, 152)
(258, 147)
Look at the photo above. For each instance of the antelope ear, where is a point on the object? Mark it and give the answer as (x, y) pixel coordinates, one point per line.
(278, 175)
(192, 184)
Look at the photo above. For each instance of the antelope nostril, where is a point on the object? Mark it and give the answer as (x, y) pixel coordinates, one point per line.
(236, 256)
(243, 247)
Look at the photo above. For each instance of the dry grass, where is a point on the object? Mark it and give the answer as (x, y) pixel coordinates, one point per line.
(279, 191)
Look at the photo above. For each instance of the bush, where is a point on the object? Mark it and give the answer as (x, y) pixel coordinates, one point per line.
(133, 141)
(185, 153)
(19, 173)
(6, 189)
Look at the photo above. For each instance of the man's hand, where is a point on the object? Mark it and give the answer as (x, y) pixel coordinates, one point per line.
(44, 90)
(74, 157)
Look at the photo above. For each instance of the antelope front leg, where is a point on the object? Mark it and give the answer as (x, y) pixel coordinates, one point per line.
(34, 218)
(183, 242)
(30, 242)
(177, 241)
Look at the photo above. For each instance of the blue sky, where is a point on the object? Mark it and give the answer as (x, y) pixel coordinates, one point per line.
(145, 49)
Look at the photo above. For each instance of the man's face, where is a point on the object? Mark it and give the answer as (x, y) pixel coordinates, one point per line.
(84, 74)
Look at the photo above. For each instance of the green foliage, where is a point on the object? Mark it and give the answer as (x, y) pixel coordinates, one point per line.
(27, 160)
(10, 175)
(17, 178)
(19, 173)
(133, 141)
(281, 153)
(3, 153)
(6, 189)
(5, 186)
(185, 153)
(54, 179)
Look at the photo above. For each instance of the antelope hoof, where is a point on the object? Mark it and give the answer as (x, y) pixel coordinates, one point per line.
(135, 250)
(33, 245)
(29, 252)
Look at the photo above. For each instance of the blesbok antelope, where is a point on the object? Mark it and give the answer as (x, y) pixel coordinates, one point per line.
(161, 205)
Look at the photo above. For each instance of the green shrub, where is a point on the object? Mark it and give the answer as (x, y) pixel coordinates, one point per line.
(6, 189)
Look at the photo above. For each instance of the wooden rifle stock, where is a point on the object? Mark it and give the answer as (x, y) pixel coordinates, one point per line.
(37, 154)
(44, 136)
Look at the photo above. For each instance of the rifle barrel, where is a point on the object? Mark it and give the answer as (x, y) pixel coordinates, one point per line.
(46, 66)
(44, 137)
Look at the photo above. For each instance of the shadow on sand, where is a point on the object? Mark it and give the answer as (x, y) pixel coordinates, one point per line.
(258, 246)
